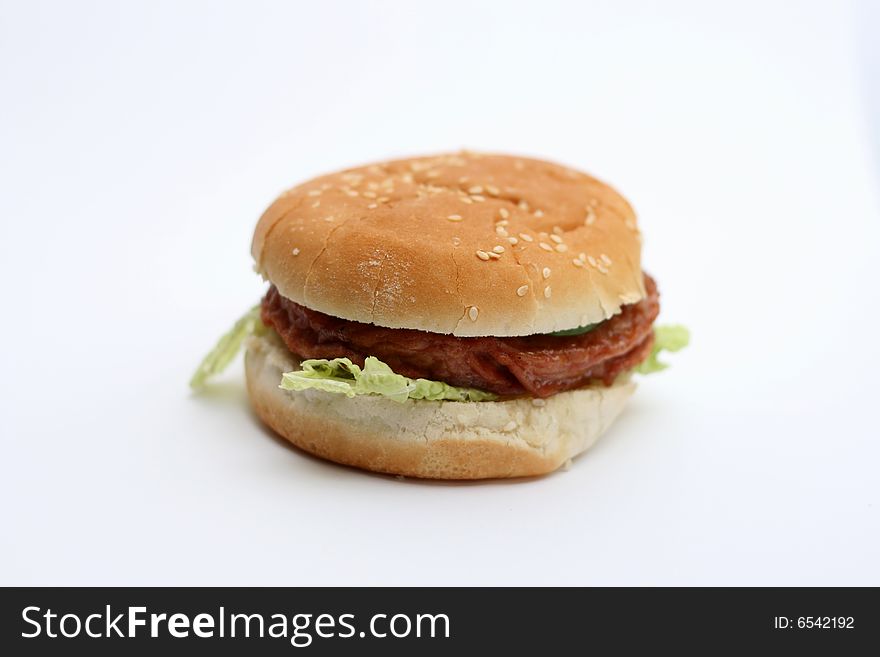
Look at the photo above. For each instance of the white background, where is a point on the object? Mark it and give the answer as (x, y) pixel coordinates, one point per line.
(139, 143)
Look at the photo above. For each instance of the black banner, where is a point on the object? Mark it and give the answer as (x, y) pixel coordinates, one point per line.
(113, 621)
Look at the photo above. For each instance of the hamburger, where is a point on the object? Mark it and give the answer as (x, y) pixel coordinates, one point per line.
(460, 316)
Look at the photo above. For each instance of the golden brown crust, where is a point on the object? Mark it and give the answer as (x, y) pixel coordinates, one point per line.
(438, 440)
(465, 244)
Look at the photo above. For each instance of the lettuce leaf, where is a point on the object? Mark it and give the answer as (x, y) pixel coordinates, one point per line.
(227, 347)
(669, 337)
(342, 376)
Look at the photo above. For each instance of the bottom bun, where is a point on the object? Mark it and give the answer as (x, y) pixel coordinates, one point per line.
(429, 439)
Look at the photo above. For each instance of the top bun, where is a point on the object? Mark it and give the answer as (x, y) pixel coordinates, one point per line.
(466, 244)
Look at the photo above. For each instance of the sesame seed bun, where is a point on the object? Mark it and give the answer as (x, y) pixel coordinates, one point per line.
(461, 244)
(429, 439)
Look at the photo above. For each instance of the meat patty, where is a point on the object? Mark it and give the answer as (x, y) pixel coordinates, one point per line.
(535, 365)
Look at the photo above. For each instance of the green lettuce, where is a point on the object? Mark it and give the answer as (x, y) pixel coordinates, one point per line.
(342, 376)
(227, 347)
(671, 337)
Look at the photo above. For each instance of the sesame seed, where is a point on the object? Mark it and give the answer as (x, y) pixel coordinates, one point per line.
(372, 206)
(510, 426)
(478, 198)
(591, 217)
(498, 249)
(545, 246)
(583, 256)
(382, 199)
(592, 261)
(352, 192)
(494, 191)
(521, 290)
(369, 194)
(577, 263)
(456, 241)
(602, 269)
(504, 212)
(315, 192)
(473, 313)
(512, 240)
(539, 402)
(454, 217)
(476, 189)
(494, 255)
(543, 235)
(482, 255)
(557, 230)
(501, 230)
(525, 237)
(503, 222)
(295, 251)
(546, 272)
(561, 248)
(547, 292)
(523, 205)
(466, 199)
(605, 260)
(539, 213)
(556, 238)
(316, 204)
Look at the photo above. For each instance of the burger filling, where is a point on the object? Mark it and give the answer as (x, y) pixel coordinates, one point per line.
(535, 365)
